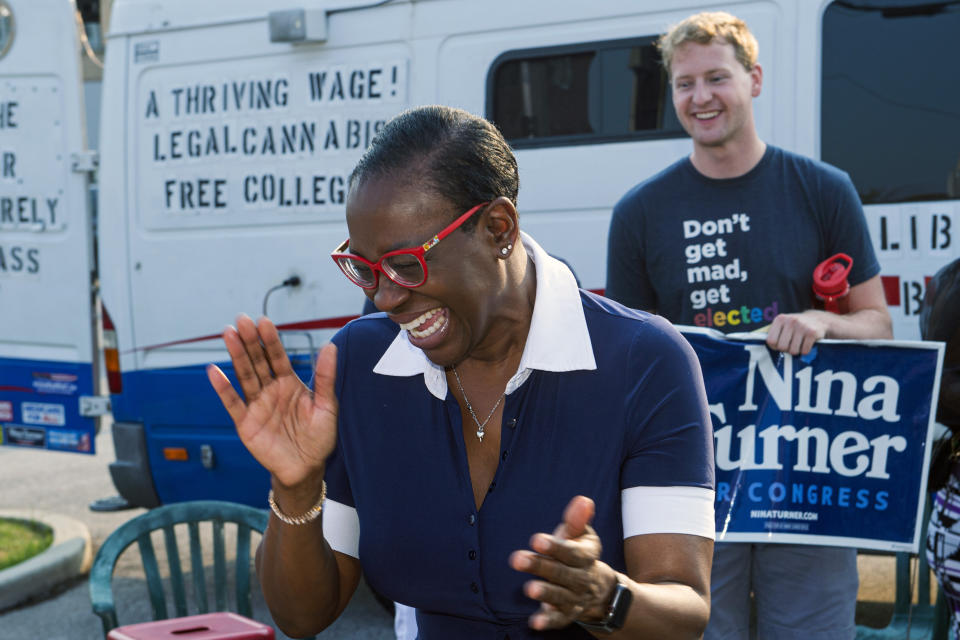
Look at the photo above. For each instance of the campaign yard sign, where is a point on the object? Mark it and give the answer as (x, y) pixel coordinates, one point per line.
(830, 448)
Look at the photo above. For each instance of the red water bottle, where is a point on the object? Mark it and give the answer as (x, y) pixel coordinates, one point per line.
(830, 284)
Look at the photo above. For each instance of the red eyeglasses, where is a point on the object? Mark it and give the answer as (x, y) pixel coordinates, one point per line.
(406, 267)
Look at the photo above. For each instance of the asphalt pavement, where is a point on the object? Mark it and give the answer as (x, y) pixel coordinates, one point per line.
(66, 483)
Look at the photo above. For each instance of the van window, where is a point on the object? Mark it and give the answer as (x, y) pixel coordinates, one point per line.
(890, 99)
(581, 94)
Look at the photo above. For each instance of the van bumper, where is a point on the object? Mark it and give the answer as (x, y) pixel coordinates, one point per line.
(131, 471)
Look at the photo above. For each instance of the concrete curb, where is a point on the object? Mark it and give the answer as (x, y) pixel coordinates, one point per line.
(70, 555)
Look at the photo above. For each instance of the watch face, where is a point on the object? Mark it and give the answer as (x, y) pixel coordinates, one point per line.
(617, 611)
(619, 607)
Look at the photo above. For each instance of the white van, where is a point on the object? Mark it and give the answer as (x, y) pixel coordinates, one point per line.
(48, 397)
(228, 130)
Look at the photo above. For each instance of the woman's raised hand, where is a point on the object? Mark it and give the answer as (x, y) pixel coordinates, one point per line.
(289, 429)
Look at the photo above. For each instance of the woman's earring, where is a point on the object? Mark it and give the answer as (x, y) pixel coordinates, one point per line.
(505, 250)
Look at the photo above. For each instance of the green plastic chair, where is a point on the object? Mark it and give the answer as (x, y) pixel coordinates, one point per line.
(921, 621)
(192, 514)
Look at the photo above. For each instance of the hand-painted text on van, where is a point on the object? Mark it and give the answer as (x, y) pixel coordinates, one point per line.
(260, 139)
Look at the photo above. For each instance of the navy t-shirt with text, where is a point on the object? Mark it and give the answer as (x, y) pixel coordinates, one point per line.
(732, 254)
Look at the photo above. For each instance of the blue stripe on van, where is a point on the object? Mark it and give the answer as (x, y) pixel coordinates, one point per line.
(179, 409)
(40, 405)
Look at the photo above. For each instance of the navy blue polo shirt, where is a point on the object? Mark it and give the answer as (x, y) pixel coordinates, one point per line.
(609, 403)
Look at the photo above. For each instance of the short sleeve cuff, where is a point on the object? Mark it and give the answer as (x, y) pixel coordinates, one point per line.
(668, 510)
(341, 527)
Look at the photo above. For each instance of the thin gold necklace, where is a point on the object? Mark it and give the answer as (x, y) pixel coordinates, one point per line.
(480, 425)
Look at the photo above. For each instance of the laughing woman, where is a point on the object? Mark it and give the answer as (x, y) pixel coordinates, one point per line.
(513, 456)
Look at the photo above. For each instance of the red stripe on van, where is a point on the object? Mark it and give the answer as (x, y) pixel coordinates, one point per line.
(322, 323)
(304, 325)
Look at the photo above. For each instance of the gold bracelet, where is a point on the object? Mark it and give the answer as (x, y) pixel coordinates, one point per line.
(309, 516)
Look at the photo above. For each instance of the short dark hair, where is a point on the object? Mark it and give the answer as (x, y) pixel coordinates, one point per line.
(940, 311)
(940, 320)
(457, 155)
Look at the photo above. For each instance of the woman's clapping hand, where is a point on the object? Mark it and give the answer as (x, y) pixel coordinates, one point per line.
(288, 428)
(575, 584)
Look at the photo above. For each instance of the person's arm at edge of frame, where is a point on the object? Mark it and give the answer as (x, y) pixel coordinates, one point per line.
(867, 318)
(295, 564)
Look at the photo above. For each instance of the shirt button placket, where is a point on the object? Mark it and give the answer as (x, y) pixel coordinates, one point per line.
(472, 555)
(512, 424)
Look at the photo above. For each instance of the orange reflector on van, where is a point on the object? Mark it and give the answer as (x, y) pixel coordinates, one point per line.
(175, 453)
(111, 354)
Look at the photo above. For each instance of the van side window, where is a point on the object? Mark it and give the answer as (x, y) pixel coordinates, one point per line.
(584, 93)
(890, 110)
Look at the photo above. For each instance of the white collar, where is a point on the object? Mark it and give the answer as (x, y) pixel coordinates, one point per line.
(558, 339)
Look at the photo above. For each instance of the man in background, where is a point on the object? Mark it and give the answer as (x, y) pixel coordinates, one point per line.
(728, 238)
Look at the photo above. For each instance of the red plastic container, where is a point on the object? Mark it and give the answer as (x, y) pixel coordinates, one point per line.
(206, 626)
(830, 284)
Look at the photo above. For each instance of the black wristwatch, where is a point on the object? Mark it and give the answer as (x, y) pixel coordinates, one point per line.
(616, 611)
